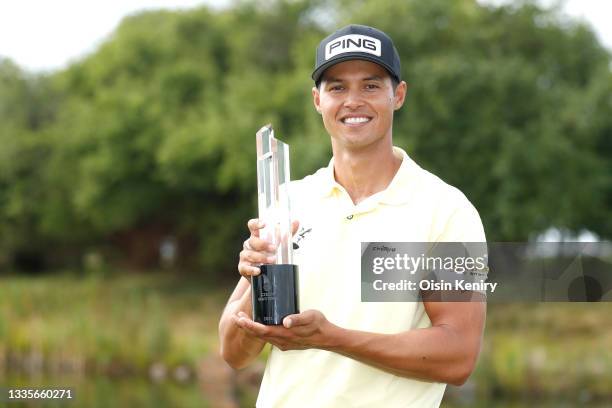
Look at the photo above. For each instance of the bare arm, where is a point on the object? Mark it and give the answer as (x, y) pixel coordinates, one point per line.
(238, 348)
(445, 352)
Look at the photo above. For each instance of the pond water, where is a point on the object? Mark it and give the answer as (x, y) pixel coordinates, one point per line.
(102, 392)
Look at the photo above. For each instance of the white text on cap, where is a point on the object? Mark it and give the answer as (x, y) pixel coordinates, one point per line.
(352, 43)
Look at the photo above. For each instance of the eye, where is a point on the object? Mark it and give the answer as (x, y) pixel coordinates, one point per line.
(335, 88)
(372, 86)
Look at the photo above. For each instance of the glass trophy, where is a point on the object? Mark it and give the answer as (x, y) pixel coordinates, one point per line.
(275, 289)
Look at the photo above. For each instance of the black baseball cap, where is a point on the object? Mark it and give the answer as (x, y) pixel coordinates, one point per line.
(357, 42)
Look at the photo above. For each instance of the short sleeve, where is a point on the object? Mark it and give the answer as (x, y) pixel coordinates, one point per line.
(464, 225)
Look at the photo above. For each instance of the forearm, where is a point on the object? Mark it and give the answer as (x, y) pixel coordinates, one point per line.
(238, 348)
(436, 353)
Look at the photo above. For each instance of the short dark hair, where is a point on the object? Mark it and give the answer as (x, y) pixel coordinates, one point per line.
(394, 83)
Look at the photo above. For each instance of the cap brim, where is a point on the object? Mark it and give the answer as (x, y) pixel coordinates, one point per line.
(317, 73)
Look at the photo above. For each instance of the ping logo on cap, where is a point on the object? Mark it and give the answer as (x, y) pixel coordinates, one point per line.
(352, 43)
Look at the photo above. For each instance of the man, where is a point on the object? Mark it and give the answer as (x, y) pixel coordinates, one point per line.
(341, 352)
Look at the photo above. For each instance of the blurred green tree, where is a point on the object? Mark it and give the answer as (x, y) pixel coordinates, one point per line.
(152, 134)
(497, 107)
(26, 109)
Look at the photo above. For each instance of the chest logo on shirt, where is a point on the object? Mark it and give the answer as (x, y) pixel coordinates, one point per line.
(297, 238)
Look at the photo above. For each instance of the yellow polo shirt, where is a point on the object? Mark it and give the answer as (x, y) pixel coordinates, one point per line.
(416, 207)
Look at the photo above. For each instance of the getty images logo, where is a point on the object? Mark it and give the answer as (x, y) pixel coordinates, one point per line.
(352, 43)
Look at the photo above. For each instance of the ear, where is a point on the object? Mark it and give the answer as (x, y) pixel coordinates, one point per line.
(400, 95)
(316, 99)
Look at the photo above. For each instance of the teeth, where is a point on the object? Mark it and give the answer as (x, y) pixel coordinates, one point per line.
(356, 120)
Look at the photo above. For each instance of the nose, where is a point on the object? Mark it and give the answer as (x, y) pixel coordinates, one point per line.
(353, 99)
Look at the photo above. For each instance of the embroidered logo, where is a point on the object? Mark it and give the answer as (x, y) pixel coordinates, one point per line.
(300, 236)
(352, 43)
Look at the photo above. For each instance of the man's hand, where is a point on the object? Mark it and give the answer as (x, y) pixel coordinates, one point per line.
(445, 352)
(309, 329)
(257, 251)
(238, 347)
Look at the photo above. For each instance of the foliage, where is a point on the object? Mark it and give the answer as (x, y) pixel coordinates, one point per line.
(154, 130)
(124, 324)
(117, 322)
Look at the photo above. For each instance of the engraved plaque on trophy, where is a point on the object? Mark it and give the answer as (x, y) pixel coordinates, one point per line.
(275, 289)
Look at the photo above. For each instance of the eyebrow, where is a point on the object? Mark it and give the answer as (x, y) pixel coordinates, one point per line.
(370, 78)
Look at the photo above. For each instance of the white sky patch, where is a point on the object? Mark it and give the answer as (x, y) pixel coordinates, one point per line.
(44, 35)
(597, 13)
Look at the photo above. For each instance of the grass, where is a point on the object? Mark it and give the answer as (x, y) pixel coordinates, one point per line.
(124, 323)
(552, 349)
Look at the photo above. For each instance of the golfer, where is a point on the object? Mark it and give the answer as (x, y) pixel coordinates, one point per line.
(339, 351)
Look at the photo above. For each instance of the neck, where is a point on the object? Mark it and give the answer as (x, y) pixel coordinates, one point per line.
(365, 171)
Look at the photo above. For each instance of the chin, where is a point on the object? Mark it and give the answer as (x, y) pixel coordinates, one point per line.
(355, 142)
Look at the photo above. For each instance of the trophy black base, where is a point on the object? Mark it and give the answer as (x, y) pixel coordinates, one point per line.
(275, 293)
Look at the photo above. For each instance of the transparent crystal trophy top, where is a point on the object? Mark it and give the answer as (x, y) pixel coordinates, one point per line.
(273, 193)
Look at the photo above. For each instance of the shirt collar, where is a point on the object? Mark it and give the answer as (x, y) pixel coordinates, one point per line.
(328, 181)
(396, 193)
(401, 187)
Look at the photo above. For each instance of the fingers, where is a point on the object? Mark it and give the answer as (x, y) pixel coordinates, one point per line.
(278, 336)
(246, 269)
(256, 257)
(302, 319)
(254, 243)
(257, 329)
(247, 265)
(255, 225)
(256, 251)
(295, 225)
(250, 326)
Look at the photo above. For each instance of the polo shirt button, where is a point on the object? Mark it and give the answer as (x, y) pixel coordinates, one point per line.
(349, 217)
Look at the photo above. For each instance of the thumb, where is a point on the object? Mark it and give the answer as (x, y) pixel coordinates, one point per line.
(301, 319)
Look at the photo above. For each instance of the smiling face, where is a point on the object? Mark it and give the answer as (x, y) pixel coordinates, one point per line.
(357, 101)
